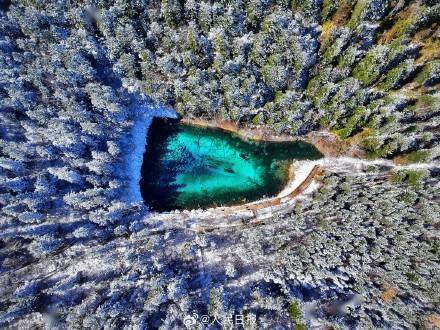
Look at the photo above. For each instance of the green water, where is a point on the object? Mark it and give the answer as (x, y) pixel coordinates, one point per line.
(186, 167)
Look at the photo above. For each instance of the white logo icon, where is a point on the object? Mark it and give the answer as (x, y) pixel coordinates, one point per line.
(190, 320)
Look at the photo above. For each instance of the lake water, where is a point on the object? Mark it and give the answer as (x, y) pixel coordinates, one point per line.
(187, 167)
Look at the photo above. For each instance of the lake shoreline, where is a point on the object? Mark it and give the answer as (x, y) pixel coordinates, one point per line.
(327, 143)
(250, 170)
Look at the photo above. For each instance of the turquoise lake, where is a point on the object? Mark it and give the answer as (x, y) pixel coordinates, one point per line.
(187, 167)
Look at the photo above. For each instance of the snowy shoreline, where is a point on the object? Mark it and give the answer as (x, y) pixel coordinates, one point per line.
(138, 138)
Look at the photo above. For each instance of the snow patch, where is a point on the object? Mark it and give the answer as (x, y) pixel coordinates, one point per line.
(138, 143)
(301, 170)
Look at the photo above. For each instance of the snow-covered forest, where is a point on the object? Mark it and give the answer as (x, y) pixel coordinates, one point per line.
(79, 84)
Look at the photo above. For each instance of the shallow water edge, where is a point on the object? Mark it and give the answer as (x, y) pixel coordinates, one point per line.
(325, 141)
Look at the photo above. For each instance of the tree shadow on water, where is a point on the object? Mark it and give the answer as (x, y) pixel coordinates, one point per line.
(158, 175)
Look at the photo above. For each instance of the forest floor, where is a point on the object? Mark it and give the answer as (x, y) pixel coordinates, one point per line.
(330, 145)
